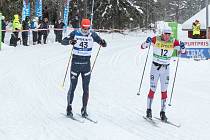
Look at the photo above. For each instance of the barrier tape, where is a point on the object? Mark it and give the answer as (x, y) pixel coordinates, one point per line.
(58, 29)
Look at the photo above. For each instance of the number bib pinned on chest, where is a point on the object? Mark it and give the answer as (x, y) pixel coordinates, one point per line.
(163, 51)
(84, 45)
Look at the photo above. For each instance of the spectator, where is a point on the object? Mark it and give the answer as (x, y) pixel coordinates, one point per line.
(34, 27)
(4, 24)
(196, 29)
(16, 28)
(75, 22)
(25, 27)
(58, 30)
(44, 30)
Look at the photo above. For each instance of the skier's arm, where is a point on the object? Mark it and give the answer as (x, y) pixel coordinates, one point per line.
(148, 42)
(69, 40)
(97, 39)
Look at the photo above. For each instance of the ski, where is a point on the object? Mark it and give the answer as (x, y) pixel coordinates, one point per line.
(73, 118)
(151, 121)
(88, 118)
(168, 122)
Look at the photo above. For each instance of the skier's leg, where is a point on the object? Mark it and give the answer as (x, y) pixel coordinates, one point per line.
(164, 80)
(85, 84)
(73, 84)
(85, 97)
(154, 76)
(70, 96)
(74, 78)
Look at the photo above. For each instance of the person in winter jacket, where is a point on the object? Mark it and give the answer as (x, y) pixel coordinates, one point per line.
(16, 28)
(4, 25)
(58, 30)
(82, 40)
(25, 27)
(163, 47)
(34, 27)
(196, 29)
(44, 30)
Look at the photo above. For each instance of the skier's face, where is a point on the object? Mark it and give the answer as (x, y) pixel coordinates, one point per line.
(166, 36)
(85, 30)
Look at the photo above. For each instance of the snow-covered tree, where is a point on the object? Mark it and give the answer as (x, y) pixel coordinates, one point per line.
(109, 14)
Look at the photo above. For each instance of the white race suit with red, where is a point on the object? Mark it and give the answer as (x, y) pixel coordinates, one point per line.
(162, 53)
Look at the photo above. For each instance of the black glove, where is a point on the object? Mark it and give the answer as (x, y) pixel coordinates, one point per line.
(65, 41)
(182, 45)
(73, 42)
(149, 40)
(103, 43)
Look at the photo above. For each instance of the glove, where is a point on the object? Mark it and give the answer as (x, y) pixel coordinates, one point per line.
(65, 41)
(182, 45)
(73, 42)
(103, 43)
(149, 40)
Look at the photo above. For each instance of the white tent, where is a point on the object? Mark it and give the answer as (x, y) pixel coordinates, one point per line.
(201, 16)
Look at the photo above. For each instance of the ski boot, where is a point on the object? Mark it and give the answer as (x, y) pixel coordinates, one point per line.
(163, 116)
(149, 113)
(84, 112)
(69, 111)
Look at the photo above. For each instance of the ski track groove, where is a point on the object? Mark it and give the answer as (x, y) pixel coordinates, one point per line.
(31, 76)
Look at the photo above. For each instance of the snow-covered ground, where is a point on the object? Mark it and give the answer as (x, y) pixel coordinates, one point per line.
(32, 104)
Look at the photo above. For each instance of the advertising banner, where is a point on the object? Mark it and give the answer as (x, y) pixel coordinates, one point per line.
(26, 11)
(66, 13)
(38, 8)
(197, 49)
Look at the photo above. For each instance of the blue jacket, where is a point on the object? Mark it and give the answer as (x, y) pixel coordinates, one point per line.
(94, 35)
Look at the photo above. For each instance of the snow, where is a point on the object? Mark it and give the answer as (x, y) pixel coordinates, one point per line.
(32, 103)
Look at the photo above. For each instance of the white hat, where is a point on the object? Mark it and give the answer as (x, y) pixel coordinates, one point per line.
(167, 29)
(2, 17)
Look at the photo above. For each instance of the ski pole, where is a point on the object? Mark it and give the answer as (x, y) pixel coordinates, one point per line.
(95, 59)
(174, 82)
(92, 13)
(67, 68)
(138, 93)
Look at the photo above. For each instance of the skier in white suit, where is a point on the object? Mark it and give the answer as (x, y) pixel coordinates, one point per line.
(163, 47)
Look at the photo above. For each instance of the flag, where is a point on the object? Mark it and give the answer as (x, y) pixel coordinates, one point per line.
(66, 13)
(26, 9)
(38, 10)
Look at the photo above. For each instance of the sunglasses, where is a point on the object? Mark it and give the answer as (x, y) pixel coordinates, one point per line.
(167, 33)
(86, 29)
